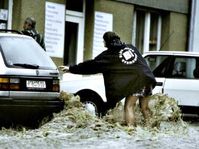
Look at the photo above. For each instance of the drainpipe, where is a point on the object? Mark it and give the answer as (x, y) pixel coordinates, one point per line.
(159, 30)
(194, 29)
(147, 32)
(134, 28)
(10, 7)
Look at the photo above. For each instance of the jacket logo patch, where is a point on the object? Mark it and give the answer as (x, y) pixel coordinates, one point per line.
(127, 56)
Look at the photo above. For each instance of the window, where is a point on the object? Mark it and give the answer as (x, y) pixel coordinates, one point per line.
(173, 66)
(184, 67)
(154, 61)
(147, 30)
(3, 14)
(4, 4)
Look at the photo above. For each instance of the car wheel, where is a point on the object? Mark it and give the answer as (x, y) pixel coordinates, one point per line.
(92, 101)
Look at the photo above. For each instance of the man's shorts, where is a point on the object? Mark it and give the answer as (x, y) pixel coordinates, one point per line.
(145, 91)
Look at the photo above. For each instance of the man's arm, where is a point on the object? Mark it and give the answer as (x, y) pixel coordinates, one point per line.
(87, 67)
(93, 66)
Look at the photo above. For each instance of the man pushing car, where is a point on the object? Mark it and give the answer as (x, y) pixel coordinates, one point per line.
(126, 75)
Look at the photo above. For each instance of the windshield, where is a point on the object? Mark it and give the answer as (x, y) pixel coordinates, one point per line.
(23, 52)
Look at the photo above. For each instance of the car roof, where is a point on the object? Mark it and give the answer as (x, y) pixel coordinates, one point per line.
(176, 53)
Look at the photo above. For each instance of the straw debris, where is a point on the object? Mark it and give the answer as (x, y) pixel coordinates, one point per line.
(163, 109)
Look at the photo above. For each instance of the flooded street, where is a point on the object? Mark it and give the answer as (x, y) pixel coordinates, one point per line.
(75, 128)
(85, 138)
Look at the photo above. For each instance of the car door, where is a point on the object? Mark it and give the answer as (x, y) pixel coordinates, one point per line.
(176, 76)
(159, 65)
(182, 84)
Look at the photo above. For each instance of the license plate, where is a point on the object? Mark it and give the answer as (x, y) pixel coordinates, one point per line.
(35, 84)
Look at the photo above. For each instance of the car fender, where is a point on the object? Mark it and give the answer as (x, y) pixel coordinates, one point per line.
(73, 83)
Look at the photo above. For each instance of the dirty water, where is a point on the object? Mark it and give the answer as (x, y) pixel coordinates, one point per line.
(74, 127)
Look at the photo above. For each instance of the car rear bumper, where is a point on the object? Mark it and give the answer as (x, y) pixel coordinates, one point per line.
(27, 112)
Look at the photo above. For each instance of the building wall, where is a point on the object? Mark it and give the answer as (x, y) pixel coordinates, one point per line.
(166, 33)
(175, 29)
(89, 27)
(26, 8)
(32, 8)
(181, 6)
(178, 25)
(122, 21)
(122, 17)
(175, 23)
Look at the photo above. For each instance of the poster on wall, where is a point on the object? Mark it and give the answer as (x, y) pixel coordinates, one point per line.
(103, 22)
(54, 29)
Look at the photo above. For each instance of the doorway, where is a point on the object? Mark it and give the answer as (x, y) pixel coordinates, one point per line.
(74, 34)
(70, 47)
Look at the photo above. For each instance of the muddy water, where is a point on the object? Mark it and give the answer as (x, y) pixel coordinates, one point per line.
(75, 128)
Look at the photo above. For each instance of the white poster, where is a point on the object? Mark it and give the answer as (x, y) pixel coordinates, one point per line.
(103, 23)
(54, 29)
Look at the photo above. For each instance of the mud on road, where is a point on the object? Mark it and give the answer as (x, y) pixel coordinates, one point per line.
(74, 127)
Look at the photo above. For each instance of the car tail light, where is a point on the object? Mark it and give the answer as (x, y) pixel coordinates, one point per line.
(14, 83)
(4, 83)
(9, 84)
(55, 87)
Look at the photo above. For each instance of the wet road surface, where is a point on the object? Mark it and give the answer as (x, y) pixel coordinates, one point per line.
(75, 128)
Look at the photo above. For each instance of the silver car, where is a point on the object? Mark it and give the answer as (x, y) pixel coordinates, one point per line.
(29, 81)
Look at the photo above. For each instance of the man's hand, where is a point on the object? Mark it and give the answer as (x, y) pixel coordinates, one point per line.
(64, 68)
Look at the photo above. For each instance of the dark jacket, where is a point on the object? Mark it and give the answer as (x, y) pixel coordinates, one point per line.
(124, 69)
(35, 35)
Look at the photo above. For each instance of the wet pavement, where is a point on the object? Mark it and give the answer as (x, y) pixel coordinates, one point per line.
(85, 138)
(75, 128)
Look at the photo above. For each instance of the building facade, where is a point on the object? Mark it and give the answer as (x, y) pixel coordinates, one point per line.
(73, 29)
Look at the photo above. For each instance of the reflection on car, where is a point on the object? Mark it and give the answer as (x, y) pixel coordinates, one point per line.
(29, 81)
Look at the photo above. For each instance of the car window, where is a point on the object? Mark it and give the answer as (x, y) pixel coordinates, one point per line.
(154, 61)
(20, 50)
(159, 64)
(183, 67)
(173, 66)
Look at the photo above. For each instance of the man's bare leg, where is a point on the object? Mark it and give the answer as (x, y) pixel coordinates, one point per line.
(129, 107)
(144, 105)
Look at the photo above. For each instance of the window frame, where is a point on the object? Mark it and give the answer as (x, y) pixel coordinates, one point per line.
(147, 28)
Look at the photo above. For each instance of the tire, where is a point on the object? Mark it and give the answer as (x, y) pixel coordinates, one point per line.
(93, 102)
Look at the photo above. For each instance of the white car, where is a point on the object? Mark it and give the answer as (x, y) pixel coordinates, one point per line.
(175, 72)
(29, 81)
(90, 88)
